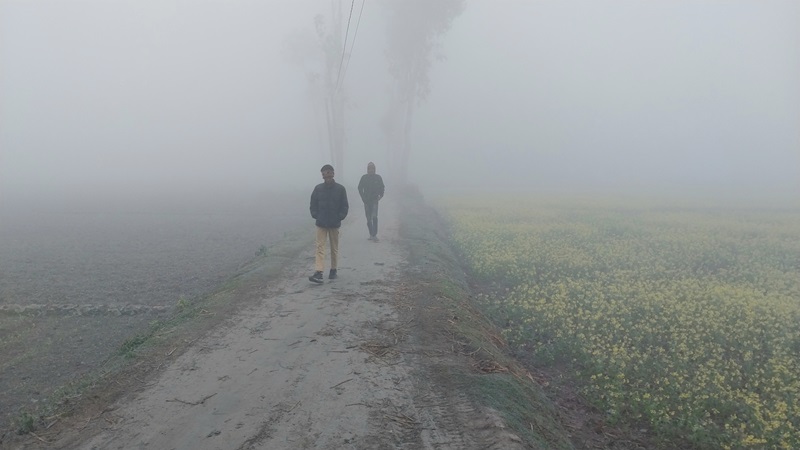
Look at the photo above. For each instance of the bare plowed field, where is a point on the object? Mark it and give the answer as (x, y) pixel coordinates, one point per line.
(76, 281)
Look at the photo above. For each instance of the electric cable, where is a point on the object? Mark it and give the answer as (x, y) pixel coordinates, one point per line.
(344, 48)
(352, 44)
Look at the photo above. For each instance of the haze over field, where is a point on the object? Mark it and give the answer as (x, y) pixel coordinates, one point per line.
(141, 97)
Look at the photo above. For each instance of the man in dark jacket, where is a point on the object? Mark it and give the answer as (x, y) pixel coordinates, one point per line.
(329, 207)
(371, 189)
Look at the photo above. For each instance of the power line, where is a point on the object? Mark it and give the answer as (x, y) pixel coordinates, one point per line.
(344, 48)
(358, 22)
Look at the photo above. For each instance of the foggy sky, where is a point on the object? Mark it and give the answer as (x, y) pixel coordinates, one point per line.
(143, 95)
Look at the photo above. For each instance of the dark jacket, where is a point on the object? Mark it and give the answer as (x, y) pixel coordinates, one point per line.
(370, 187)
(329, 205)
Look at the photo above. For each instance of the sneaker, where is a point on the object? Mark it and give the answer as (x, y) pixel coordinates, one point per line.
(316, 278)
(331, 275)
(375, 239)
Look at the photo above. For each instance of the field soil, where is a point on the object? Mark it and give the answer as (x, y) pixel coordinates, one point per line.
(79, 278)
(366, 361)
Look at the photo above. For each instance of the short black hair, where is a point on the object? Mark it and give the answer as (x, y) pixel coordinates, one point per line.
(326, 167)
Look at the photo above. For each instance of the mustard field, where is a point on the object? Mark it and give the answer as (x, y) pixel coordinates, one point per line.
(681, 318)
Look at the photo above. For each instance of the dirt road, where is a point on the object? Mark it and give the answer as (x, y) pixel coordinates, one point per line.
(333, 366)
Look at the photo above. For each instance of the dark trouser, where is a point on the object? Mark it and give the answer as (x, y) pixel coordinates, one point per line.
(371, 209)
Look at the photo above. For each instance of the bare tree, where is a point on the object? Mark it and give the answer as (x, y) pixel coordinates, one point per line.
(321, 56)
(413, 41)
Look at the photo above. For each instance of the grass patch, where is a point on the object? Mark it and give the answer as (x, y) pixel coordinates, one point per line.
(129, 347)
(534, 419)
(25, 423)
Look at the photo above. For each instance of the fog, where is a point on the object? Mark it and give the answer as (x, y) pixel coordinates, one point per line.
(147, 98)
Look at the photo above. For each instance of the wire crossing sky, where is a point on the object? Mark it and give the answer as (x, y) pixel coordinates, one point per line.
(353, 43)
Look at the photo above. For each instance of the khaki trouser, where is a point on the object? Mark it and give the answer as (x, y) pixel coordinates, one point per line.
(322, 234)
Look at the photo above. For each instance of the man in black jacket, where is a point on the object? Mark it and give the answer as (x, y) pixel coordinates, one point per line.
(371, 189)
(329, 207)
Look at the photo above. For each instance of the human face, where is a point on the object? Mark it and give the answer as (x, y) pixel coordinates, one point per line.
(327, 175)
(371, 168)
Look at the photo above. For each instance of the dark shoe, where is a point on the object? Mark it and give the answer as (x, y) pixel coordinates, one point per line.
(331, 275)
(316, 278)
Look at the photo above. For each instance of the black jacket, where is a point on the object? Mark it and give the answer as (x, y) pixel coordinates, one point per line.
(370, 187)
(329, 205)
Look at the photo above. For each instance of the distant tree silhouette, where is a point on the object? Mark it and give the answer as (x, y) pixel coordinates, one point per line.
(413, 42)
(321, 56)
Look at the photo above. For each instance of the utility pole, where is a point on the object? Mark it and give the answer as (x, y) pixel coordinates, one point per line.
(320, 55)
(332, 43)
